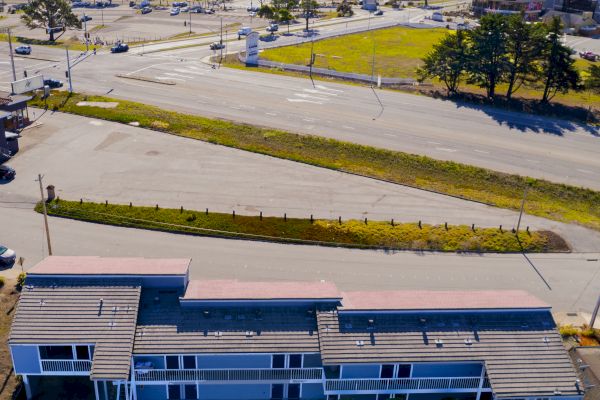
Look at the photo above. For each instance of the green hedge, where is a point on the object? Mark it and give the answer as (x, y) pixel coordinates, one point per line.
(545, 199)
(294, 230)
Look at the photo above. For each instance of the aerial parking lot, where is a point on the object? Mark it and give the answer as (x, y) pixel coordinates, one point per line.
(118, 21)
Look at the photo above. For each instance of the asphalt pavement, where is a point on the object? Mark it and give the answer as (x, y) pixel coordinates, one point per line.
(98, 160)
(569, 282)
(541, 147)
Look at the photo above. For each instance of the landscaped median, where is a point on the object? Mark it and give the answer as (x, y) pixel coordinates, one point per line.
(546, 199)
(362, 234)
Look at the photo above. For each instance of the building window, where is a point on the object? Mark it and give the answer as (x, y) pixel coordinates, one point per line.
(190, 392)
(83, 352)
(277, 392)
(174, 392)
(295, 360)
(189, 362)
(278, 361)
(404, 371)
(293, 391)
(172, 362)
(56, 352)
(387, 371)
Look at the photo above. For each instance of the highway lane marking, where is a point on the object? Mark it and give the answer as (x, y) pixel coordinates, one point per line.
(272, 114)
(390, 135)
(585, 171)
(174, 74)
(347, 127)
(445, 149)
(481, 151)
(304, 101)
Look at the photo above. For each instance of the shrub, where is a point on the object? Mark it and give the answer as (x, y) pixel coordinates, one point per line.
(21, 279)
(568, 330)
(2, 281)
(588, 332)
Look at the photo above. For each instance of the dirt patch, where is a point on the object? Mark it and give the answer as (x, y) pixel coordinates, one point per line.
(8, 299)
(555, 241)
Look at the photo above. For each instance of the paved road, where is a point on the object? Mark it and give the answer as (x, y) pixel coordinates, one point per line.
(98, 161)
(506, 141)
(574, 279)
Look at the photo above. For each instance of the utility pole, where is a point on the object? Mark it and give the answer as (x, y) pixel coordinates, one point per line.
(522, 207)
(87, 46)
(221, 41)
(45, 214)
(69, 71)
(189, 12)
(12, 59)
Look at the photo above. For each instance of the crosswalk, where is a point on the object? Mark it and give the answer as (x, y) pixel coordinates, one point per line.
(318, 95)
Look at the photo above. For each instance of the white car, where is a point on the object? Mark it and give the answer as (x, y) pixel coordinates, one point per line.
(7, 256)
(184, 9)
(174, 11)
(246, 30)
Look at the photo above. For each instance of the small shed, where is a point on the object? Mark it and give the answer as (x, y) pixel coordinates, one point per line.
(16, 106)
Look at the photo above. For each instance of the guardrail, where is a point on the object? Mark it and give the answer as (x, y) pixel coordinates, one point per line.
(73, 367)
(230, 375)
(402, 384)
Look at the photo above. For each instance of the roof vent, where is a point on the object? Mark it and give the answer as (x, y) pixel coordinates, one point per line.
(218, 334)
(423, 320)
(206, 313)
(249, 334)
(115, 309)
(439, 342)
(360, 343)
(112, 324)
(29, 287)
(101, 302)
(546, 340)
(557, 392)
(42, 302)
(468, 341)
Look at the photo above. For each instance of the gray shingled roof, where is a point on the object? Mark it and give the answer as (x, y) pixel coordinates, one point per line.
(165, 327)
(523, 352)
(62, 311)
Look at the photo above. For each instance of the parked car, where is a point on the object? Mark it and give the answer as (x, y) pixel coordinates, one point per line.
(174, 11)
(53, 83)
(196, 9)
(85, 18)
(23, 50)
(146, 10)
(7, 256)
(252, 14)
(589, 55)
(132, 4)
(244, 31)
(217, 46)
(273, 28)
(211, 11)
(184, 9)
(119, 48)
(378, 12)
(7, 173)
(437, 16)
(253, 9)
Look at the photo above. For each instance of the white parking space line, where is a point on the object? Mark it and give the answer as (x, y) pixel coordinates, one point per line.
(174, 74)
(304, 101)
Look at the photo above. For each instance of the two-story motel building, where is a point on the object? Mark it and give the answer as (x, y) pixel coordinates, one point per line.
(139, 329)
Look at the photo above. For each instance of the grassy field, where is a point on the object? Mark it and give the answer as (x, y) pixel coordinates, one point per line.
(325, 232)
(398, 52)
(546, 199)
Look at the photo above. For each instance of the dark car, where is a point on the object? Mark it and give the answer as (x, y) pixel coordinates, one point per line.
(53, 83)
(23, 50)
(6, 173)
(7, 257)
(217, 46)
(132, 4)
(146, 10)
(85, 18)
(119, 48)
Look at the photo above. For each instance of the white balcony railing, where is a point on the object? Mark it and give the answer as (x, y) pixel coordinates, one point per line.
(402, 385)
(229, 375)
(70, 367)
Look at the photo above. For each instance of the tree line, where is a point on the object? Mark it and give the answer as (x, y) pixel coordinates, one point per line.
(506, 50)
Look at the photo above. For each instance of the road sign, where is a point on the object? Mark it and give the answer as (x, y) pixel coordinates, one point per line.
(28, 84)
(252, 48)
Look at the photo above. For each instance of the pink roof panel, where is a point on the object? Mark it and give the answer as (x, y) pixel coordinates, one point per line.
(60, 265)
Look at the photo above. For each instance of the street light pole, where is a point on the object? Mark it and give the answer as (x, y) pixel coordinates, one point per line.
(522, 207)
(189, 12)
(12, 59)
(69, 71)
(85, 35)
